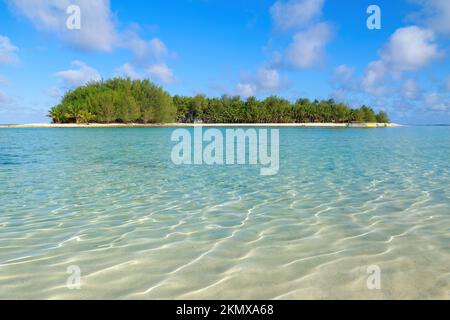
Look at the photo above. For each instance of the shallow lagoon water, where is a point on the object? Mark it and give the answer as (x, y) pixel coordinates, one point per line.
(111, 202)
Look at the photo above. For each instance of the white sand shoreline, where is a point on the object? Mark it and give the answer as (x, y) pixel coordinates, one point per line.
(159, 125)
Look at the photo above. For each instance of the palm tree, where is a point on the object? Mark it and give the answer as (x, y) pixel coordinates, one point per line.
(85, 117)
(56, 114)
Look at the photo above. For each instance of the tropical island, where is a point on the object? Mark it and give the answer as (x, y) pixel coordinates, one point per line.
(126, 101)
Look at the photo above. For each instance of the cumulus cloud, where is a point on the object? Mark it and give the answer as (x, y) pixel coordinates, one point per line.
(436, 102)
(8, 51)
(97, 32)
(373, 80)
(307, 47)
(339, 94)
(128, 70)
(435, 14)
(292, 14)
(157, 48)
(343, 82)
(266, 80)
(410, 89)
(301, 20)
(81, 74)
(161, 72)
(149, 59)
(408, 49)
(145, 50)
(246, 90)
(344, 73)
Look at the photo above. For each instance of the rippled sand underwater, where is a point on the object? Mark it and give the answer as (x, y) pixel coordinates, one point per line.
(111, 202)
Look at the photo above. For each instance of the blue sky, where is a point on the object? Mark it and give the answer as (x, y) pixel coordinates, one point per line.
(292, 48)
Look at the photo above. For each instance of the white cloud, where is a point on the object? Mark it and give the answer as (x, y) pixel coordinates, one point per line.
(246, 90)
(344, 73)
(144, 50)
(157, 48)
(128, 70)
(435, 14)
(295, 13)
(343, 82)
(149, 58)
(161, 72)
(158, 71)
(307, 47)
(8, 51)
(410, 90)
(306, 50)
(373, 80)
(266, 80)
(97, 32)
(410, 48)
(436, 102)
(339, 94)
(81, 74)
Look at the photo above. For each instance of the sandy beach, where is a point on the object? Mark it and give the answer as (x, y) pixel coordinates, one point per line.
(140, 125)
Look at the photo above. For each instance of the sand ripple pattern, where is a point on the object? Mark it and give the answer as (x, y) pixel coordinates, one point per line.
(111, 202)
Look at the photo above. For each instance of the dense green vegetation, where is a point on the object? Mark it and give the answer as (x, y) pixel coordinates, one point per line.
(140, 101)
(115, 100)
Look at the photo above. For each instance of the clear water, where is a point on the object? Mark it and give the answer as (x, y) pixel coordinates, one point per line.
(111, 202)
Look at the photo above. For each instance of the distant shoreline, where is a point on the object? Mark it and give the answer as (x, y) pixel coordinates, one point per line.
(165, 125)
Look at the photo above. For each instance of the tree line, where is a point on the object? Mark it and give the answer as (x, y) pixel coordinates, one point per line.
(115, 101)
(121, 100)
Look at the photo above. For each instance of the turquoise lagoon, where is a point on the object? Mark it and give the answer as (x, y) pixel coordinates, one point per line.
(111, 202)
